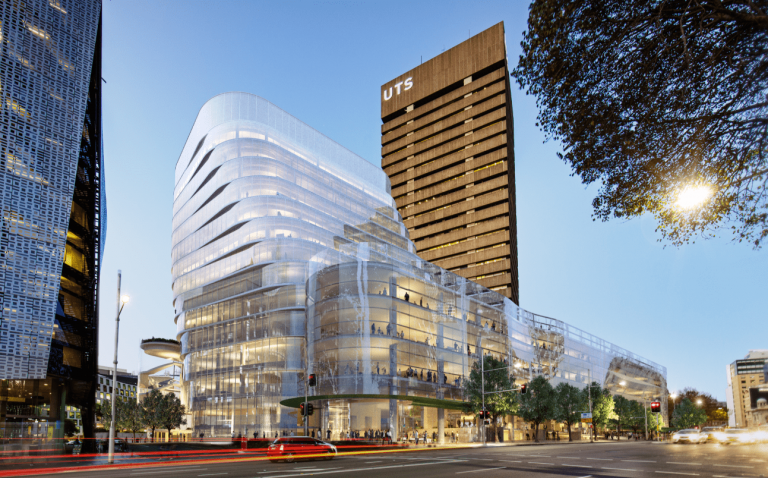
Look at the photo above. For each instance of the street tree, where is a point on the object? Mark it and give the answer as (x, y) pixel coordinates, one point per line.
(655, 421)
(704, 400)
(688, 415)
(623, 409)
(538, 404)
(602, 405)
(152, 411)
(637, 420)
(569, 403)
(172, 413)
(662, 104)
(497, 378)
(133, 417)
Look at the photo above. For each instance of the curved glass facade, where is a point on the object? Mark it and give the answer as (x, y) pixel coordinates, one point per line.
(289, 258)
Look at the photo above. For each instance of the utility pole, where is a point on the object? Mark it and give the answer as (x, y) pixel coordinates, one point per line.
(592, 423)
(482, 381)
(121, 301)
(645, 412)
(306, 394)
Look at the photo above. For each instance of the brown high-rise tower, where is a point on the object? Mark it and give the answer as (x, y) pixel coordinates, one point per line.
(447, 145)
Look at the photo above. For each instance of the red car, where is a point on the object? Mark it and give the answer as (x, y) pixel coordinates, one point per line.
(296, 448)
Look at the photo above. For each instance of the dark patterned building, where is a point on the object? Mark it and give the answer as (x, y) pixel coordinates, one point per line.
(53, 213)
(447, 145)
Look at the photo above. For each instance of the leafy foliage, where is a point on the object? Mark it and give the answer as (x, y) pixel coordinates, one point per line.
(496, 378)
(538, 405)
(688, 415)
(152, 410)
(623, 409)
(652, 97)
(602, 405)
(133, 417)
(172, 412)
(570, 402)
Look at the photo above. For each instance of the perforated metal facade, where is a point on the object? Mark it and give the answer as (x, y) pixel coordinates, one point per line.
(47, 54)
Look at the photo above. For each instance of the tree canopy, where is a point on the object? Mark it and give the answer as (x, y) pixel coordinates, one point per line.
(496, 378)
(570, 402)
(688, 415)
(660, 103)
(538, 404)
(602, 405)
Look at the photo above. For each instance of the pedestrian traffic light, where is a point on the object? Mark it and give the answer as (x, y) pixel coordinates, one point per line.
(312, 380)
(655, 407)
(524, 388)
(303, 409)
(310, 409)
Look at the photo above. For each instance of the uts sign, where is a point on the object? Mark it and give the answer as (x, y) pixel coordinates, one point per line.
(407, 85)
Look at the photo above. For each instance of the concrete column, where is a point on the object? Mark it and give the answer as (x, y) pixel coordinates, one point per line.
(441, 426)
(394, 422)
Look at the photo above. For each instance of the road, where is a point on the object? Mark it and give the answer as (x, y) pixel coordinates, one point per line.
(598, 460)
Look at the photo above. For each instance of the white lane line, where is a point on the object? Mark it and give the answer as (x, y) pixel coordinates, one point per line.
(368, 462)
(540, 463)
(213, 474)
(539, 456)
(682, 463)
(475, 471)
(601, 459)
(588, 476)
(484, 459)
(736, 466)
(578, 466)
(622, 469)
(168, 471)
(676, 473)
(641, 461)
(368, 468)
(510, 461)
(569, 457)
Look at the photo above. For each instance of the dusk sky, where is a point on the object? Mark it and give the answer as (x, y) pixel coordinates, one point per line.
(692, 309)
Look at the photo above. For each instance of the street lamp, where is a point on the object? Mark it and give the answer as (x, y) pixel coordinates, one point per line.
(121, 301)
(698, 402)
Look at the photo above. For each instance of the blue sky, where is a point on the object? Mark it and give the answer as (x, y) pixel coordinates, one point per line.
(694, 309)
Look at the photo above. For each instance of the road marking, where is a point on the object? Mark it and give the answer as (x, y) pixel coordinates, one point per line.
(475, 471)
(641, 461)
(213, 474)
(736, 466)
(540, 463)
(588, 476)
(622, 469)
(569, 457)
(368, 468)
(578, 466)
(484, 459)
(511, 461)
(176, 470)
(368, 462)
(676, 473)
(536, 456)
(601, 459)
(681, 463)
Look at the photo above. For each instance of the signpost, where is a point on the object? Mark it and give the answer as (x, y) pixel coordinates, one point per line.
(586, 417)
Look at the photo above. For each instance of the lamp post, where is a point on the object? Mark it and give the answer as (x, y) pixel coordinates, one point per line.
(121, 301)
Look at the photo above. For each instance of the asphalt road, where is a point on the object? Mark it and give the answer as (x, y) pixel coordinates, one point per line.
(598, 460)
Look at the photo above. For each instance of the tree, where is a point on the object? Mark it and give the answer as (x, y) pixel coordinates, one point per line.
(655, 421)
(656, 101)
(106, 414)
(569, 403)
(709, 404)
(134, 417)
(688, 415)
(70, 427)
(152, 411)
(496, 378)
(172, 415)
(637, 420)
(602, 406)
(623, 409)
(538, 405)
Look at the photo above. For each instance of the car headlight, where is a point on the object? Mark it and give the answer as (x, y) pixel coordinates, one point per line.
(720, 436)
(744, 437)
(676, 436)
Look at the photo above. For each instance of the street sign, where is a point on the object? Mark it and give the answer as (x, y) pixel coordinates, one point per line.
(586, 420)
(586, 417)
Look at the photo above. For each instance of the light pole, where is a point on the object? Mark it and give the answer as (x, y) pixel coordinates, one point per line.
(674, 397)
(121, 301)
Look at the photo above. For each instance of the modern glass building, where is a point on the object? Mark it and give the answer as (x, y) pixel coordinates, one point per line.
(289, 257)
(53, 213)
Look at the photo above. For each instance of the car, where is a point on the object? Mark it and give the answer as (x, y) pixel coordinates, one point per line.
(120, 445)
(737, 435)
(714, 434)
(689, 435)
(300, 448)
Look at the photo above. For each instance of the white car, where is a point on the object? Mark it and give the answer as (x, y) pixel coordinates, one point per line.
(738, 435)
(689, 435)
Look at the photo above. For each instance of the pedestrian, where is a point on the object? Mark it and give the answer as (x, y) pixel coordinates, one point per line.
(407, 296)
(328, 433)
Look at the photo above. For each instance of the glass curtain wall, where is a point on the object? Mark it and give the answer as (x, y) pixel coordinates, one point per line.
(289, 258)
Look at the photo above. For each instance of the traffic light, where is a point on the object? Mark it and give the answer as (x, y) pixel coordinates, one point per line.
(306, 409)
(524, 388)
(303, 410)
(312, 380)
(655, 407)
(310, 409)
